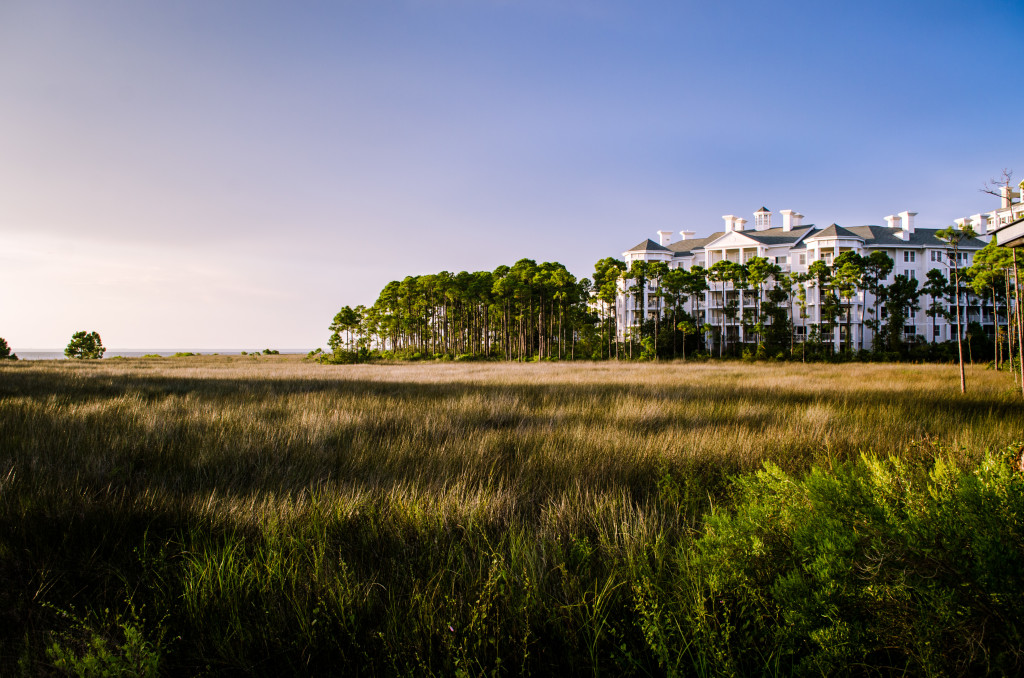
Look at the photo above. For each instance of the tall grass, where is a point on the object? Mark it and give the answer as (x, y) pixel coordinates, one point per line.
(269, 515)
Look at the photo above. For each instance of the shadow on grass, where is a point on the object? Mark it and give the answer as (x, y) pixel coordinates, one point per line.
(533, 447)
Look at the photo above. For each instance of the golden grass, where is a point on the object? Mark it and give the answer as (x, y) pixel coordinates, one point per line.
(226, 434)
(399, 497)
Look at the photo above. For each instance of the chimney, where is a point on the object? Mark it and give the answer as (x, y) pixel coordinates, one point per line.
(978, 223)
(787, 219)
(890, 221)
(730, 223)
(739, 223)
(664, 238)
(907, 221)
(798, 220)
(687, 235)
(1006, 196)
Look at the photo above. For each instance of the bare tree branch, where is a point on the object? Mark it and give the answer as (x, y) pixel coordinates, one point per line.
(992, 186)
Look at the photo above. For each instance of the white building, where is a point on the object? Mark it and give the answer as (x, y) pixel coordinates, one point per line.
(794, 246)
(1008, 221)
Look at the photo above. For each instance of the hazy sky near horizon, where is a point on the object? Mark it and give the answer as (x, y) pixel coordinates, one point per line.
(221, 174)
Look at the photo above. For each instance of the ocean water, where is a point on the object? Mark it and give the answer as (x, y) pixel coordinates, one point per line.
(58, 354)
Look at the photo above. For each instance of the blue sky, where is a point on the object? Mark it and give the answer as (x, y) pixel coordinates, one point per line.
(228, 174)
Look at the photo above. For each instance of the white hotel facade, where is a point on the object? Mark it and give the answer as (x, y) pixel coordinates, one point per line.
(794, 246)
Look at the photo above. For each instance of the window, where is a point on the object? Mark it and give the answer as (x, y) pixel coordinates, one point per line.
(937, 331)
(936, 255)
(803, 259)
(781, 260)
(910, 274)
(885, 312)
(910, 330)
(909, 257)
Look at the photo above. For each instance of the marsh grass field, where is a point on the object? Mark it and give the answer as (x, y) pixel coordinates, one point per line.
(236, 515)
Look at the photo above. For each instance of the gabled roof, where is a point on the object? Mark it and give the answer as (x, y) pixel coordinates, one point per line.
(777, 236)
(649, 246)
(772, 237)
(882, 236)
(873, 236)
(684, 247)
(879, 236)
(835, 231)
(763, 209)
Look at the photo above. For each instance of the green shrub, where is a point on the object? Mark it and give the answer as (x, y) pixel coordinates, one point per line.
(648, 350)
(876, 563)
(100, 649)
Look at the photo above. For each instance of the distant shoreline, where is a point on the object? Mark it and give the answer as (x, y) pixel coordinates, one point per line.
(58, 354)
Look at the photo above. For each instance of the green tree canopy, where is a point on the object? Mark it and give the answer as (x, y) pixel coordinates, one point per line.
(85, 346)
(5, 351)
(901, 302)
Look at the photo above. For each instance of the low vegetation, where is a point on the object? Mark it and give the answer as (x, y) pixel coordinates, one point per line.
(225, 515)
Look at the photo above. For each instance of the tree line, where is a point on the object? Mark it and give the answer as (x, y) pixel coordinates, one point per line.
(531, 311)
(519, 312)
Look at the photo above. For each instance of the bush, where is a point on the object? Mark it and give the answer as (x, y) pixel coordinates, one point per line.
(116, 648)
(343, 357)
(874, 563)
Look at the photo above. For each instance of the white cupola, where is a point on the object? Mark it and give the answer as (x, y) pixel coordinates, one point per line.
(762, 219)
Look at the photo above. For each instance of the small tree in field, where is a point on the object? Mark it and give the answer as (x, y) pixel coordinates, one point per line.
(686, 328)
(5, 351)
(85, 346)
(953, 236)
